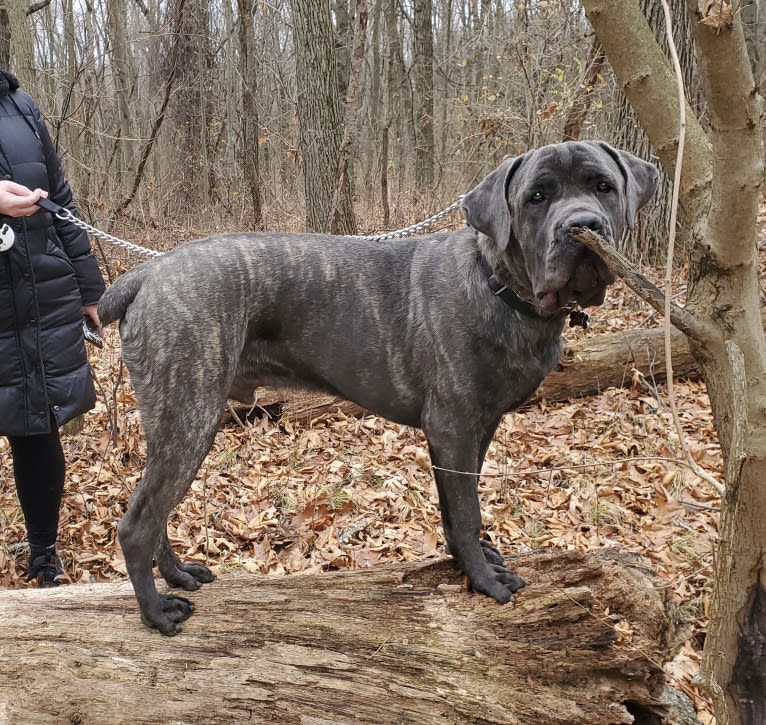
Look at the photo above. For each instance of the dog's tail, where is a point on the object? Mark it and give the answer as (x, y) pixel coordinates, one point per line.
(118, 296)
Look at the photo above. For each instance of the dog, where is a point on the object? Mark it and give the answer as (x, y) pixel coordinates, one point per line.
(445, 332)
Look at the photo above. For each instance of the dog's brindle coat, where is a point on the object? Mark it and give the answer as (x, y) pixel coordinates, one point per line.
(408, 329)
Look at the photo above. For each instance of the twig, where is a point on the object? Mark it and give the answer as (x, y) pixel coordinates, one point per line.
(698, 470)
(572, 467)
(234, 414)
(681, 318)
(204, 515)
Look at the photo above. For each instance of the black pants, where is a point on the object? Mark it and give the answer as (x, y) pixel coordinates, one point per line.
(38, 467)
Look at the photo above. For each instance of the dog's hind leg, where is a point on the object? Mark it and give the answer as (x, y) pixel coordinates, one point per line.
(457, 455)
(187, 575)
(172, 461)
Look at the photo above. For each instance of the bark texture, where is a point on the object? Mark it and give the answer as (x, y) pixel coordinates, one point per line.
(319, 113)
(584, 643)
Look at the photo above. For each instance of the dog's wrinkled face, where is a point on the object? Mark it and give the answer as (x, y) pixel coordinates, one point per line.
(545, 194)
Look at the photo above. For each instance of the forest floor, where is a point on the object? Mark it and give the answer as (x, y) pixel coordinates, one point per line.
(278, 497)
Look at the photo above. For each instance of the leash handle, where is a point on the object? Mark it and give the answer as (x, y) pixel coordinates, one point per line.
(45, 203)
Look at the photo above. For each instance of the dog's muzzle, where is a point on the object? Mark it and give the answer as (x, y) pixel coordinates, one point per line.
(580, 276)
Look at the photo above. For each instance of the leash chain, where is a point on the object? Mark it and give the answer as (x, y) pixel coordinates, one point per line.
(65, 215)
(415, 228)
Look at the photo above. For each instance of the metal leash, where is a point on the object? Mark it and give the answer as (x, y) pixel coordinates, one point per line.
(65, 215)
(415, 228)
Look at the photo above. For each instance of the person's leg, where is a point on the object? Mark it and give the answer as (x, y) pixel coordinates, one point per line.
(38, 469)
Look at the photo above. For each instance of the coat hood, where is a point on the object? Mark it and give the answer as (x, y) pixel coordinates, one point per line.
(8, 82)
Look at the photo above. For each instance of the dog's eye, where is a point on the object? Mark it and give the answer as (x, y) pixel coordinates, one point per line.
(603, 187)
(536, 198)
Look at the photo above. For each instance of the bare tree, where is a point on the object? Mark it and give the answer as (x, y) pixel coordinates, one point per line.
(191, 104)
(250, 126)
(21, 42)
(345, 156)
(754, 25)
(584, 96)
(5, 38)
(720, 188)
(319, 114)
(124, 84)
(423, 72)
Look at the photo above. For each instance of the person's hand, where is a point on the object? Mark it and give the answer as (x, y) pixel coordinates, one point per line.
(17, 200)
(91, 311)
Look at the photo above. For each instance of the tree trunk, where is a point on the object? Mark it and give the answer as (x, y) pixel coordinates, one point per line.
(583, 644)
(724, 290)
(754, 26)
(22, 44)
(124, 81)
(584, 95)
(319, 111)
(189, 61)
(720, 191)
(400, 99)
(5, 38)
(338, 224)
(250, 126)
(423, 72)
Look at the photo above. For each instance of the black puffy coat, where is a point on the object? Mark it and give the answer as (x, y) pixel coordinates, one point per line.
(45, 278)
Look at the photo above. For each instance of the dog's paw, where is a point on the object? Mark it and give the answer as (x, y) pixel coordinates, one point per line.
(491, 554)
(497, 582)
(512, 582)
(188, 576)
(173, 610)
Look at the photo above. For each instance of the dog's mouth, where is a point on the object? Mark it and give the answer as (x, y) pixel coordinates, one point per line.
(586, 287)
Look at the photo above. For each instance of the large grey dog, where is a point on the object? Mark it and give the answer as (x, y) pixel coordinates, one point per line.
(445, 332)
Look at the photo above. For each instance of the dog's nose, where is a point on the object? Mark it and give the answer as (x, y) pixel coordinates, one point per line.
(589, 221)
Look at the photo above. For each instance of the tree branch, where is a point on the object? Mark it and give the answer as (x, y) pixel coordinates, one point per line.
(169, 83)
(35, 6)
(736, 120)
(681, 318)
(648, 83)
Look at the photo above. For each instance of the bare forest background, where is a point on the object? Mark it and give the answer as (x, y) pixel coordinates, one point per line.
(179, 117)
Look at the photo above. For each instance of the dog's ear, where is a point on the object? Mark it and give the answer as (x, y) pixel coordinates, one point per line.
(486, 208)
(641, 179)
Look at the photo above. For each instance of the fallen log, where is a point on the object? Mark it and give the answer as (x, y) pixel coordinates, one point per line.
(587, 367)
(612, 360)
(584, 643)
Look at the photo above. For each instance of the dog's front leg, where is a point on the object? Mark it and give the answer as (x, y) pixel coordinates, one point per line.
(457, 458)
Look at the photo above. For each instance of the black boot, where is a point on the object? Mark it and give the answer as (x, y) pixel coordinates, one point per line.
(45, 566)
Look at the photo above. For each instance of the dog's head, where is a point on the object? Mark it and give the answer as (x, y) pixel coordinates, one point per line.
(528, 206)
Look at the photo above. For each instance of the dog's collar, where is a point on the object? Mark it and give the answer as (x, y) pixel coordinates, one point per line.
(577, 318)
(505, 293)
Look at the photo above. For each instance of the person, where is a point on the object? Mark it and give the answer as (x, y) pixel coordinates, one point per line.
(49, 279)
